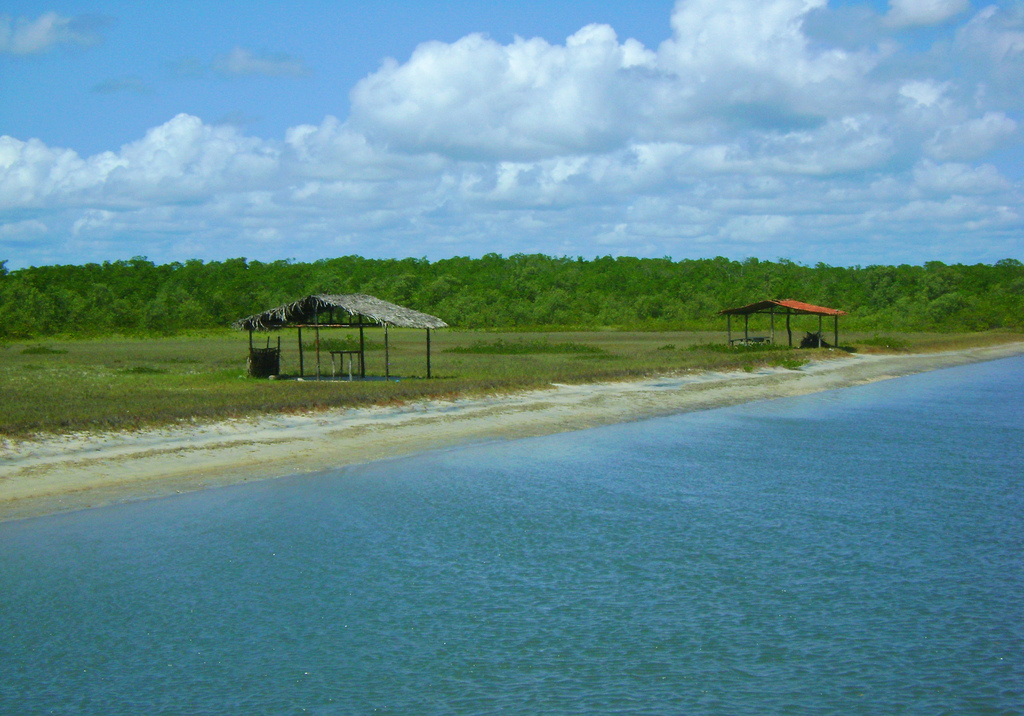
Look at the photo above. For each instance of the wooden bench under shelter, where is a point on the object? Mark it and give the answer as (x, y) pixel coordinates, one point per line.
(341, 355)
(786, 306)
(352, 311)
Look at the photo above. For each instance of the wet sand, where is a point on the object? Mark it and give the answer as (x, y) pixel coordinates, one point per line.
(77, 471)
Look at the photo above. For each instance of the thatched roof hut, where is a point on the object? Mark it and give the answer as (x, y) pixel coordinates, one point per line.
(313, 309)
(354, 310)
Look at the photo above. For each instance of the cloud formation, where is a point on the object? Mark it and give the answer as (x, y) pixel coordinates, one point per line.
(25, 36)
(738, 135)
(241, 61)
(910, 13)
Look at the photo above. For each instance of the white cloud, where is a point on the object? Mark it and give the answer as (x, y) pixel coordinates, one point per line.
(741, 63)
(909, 13)
(755, 51)
(26, 230)
(478, 98)
(738, 135)
(241, 61)
(990, 51)
(24, 36)
(925, 93)
(972, 139)
(763, 37)
(956, 178)
(756, 229)
(178, 160)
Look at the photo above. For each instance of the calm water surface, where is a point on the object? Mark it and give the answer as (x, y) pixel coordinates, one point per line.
(851, 552)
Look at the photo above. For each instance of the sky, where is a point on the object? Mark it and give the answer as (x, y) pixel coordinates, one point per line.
(847, 133)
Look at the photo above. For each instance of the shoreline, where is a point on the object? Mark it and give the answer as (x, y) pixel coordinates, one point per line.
(62, 473)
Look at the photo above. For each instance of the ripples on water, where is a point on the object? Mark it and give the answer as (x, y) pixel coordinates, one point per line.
(857, 551)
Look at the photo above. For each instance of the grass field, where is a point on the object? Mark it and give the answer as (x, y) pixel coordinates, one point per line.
(72, 385)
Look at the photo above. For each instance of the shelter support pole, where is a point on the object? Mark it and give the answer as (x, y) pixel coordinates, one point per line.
(835, 328)
(772, 314)
(819, 331)
(302, 366)
(746, 326)
(316, 332)
(362, 350)
(387, 354)
(728, 326)
(428, 352)
(789, 330)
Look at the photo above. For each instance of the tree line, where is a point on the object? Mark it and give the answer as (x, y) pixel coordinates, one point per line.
(140, 297)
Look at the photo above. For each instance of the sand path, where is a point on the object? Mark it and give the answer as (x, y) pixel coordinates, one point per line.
(76, 471)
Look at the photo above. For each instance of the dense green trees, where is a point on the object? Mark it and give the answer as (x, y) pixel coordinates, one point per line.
(138, 296)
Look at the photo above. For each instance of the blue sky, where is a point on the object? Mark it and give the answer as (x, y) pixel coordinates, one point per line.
(841, 132)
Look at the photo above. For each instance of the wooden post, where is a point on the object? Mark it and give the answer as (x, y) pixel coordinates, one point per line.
(819, 330)
(387, 354)
(362, 350)
(428, 352)
(316, 332)
(746, 324)
(835, 327)
(728, 326)
(771, 312)
(789, 330)
(302, 366)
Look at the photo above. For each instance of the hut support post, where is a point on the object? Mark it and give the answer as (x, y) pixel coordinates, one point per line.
(772, 314)
(387, 354)
(728, 326)
(835, 328)
(746, 326)
(789, 329)
(302, 368)
(819, 331)
(362, 350)
(428, 352)
(316, 332)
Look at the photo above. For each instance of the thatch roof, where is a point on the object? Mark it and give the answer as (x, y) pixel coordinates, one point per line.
(787, 305)
(306, 310)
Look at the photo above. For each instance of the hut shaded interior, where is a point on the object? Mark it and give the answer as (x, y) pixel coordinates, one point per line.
(352, 311)
(786, 306)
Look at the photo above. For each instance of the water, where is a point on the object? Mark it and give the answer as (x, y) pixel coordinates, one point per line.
(851, 552)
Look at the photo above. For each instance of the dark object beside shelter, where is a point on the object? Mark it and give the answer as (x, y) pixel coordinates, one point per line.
(813, 340)
(786, 306)
(264, 362)
(318, 311)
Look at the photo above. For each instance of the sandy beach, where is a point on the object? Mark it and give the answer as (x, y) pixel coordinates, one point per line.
(77, 471)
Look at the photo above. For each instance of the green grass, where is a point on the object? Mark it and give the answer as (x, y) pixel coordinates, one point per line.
(790, 363)
(525, 347)
(887, 342)
(42, 351)
(125, 383)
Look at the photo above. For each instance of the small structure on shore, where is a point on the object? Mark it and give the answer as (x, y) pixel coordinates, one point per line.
(786, 306)
(353, 311)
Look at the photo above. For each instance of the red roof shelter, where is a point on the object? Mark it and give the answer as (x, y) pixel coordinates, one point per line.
(787, 306)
